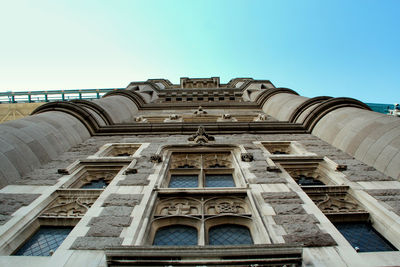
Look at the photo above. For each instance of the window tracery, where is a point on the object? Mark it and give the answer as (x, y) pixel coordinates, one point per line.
(191, 170)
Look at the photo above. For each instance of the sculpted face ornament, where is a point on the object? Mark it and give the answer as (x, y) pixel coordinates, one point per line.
(247, 157)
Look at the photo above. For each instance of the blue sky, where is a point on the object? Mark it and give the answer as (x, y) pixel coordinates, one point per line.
(324, 47)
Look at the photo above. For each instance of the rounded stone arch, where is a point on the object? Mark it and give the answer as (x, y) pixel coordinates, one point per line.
(329, 105)
(135, 97)
(223, 220)
(159, 223)
(85, 117)
(305, 105)
(96, 108)
(263, 97)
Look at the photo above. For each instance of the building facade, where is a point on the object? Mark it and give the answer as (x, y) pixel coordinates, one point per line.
(201, 174)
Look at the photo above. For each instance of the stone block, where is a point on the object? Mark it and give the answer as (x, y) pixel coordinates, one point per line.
(126, 200)
(111, 221)
(287, 209)
(98, 243)
(314, 240)
(116, 211)
(295, 219)
(104, 230)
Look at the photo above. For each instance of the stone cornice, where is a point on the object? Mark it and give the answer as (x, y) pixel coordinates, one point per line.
(211, 128)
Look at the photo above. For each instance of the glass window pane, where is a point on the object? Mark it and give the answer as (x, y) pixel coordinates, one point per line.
(184, 181)
(364, 237)
(176, 235)
(219, 180)
(46, 239)
(95, 184)
(230, 234)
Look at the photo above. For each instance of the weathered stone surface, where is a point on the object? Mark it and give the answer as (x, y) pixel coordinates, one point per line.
(314, 240)
(390, 197)
(116, 211)
(270, 180)
(134, 179)
(126, 200)
(111, 221)
(9, 203)
(277, 198)
(288, 209)
(104, 230)
(294, 219)
(98, 243)
(301, 228)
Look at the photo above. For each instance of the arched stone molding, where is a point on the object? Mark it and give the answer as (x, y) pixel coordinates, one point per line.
(305, 105)
(136, 98)
(267, 94)
(370, 137)
(27, 143)
(328, 106)
(96, 108)
(85, 117)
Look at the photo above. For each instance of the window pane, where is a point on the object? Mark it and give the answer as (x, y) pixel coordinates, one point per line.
(224, 180)
(364, 237)
(308, 181)
(176, 235)
(43, 241)
(95, 184)
(184, 181)
(229, 234)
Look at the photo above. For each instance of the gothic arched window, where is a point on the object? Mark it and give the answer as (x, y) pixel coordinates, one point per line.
(176, 235)
(229, 234)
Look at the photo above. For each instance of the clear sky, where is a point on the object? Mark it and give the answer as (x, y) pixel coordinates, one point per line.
(322, 47)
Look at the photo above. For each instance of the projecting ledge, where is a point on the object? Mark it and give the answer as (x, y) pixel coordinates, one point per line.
(205, 255)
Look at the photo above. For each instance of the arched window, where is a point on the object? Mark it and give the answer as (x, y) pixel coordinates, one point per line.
(229, 234)
(176, 235)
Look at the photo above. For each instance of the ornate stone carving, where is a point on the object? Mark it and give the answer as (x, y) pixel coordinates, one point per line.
(247, 157)
(178, 206)
(261, 117)
(226, 116)
(336, 204)
(155, 158)
(94, 175)
(140, 119)
(217, 160)
(69, 206)
(174, 117)
(341, 167)
(200, 111)
(201, 136)
(217, 206)
(180, 161)
(196, 206)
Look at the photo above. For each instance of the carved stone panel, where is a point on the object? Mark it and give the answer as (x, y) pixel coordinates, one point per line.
(72, 205)
(178, 206)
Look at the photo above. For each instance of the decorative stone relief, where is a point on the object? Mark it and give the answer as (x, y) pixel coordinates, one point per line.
(198, 206)
(225, 206)
(155, 158)
(200, 111)
(261, 117)
(140, 119)
(335, 204)
(69, 206)
(178, 206)
(217, 160)
(201, 136)
(179, 161)
(247, 157)
(94, 175)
